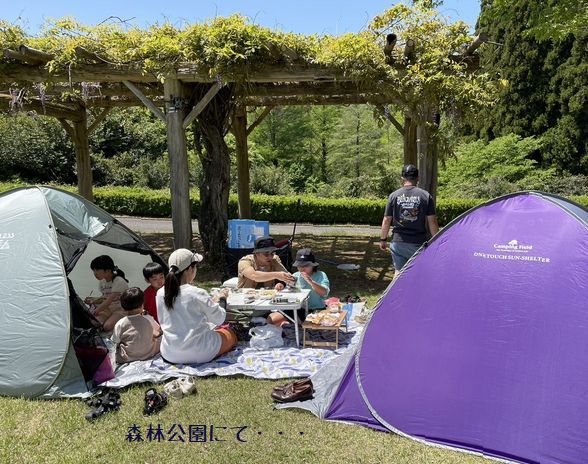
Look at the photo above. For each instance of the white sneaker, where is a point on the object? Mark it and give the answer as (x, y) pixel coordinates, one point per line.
(188, 385)
(174, 389)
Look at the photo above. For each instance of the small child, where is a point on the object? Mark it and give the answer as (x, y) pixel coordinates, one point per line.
(137, 336)
(112, 284)
(309, 277)
(154, 274)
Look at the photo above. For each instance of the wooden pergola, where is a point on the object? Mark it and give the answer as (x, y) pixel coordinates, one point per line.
(27, 84)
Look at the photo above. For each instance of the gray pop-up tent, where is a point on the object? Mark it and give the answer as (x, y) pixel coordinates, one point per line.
(48, 238)
(481, 343)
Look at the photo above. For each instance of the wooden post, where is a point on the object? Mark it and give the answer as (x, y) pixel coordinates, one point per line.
(78, 133)
(83, 162)
(427, 158)
(410, 141)
(239, 125)
(422, 147)
(178, 163)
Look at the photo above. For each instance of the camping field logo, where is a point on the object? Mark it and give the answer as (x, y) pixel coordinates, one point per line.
(512, 251)
(5, 240)
(514, 247)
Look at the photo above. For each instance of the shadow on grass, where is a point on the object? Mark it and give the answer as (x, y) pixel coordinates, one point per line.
(372, 277)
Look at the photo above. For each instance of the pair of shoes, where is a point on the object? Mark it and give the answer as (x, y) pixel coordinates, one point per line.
(154, 401)
(300, 390)
(179, 387)
(109, 401)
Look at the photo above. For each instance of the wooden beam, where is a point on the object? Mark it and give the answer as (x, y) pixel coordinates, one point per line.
(119, 102)
(396, 124)
(409, 49)
(239, 126)
(67, 127)
(33, 54)
(189, 72)
(79, 73)
(306, 89)
(186, 72)
(45, 109)
(99, 90)
(389, 47)
(479, 40)
(81, 52)
(202, 104)
(148, 103)
(98, 119)
(376, 99)
(174, 92)
(13, 55)
(267, 110)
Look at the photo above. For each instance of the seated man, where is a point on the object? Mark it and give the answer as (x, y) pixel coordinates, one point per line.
(261, 269)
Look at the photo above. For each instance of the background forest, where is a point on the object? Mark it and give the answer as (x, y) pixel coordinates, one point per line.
(534, 137)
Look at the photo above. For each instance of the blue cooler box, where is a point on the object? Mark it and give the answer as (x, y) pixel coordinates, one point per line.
(244, 232)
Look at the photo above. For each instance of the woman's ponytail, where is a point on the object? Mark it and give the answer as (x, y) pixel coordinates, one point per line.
(171, 287)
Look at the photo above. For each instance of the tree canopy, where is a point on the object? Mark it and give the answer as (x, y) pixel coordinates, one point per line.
(436, 71)
(546, 93)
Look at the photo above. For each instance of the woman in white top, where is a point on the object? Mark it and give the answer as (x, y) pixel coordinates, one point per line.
(187, 314)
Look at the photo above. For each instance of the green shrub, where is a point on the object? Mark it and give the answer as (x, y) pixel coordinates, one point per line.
(156, 203)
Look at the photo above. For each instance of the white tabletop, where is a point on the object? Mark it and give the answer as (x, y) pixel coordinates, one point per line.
(241, 300)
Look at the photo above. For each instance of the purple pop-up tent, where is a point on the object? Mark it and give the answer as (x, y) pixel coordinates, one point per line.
(481, 344)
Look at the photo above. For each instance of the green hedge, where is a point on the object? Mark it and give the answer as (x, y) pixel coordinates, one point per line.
(156, 203)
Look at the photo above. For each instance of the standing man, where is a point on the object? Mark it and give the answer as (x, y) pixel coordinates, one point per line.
(409, 211)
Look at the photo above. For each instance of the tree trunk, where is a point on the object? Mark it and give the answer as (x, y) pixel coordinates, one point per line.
(324, 153)
(178, 163)
(213, 124)
(240, 132)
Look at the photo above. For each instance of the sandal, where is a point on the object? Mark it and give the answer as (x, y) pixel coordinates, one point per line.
(109, 401)
(154, 401)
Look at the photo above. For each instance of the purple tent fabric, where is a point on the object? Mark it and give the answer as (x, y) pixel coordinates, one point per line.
(348, 405)
(482, 342)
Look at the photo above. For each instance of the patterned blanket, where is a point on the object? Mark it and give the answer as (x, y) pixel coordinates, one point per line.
(284, 362)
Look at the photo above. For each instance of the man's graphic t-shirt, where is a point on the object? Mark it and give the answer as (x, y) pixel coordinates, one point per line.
(409, 208)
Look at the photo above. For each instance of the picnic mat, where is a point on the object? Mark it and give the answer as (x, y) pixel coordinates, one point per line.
(276, 363)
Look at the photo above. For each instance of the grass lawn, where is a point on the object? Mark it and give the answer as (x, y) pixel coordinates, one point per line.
(56, 431)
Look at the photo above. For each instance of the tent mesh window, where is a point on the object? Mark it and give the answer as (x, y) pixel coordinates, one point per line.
(89, 346)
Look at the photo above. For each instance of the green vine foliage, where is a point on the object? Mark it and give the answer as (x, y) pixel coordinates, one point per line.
(233, 46)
